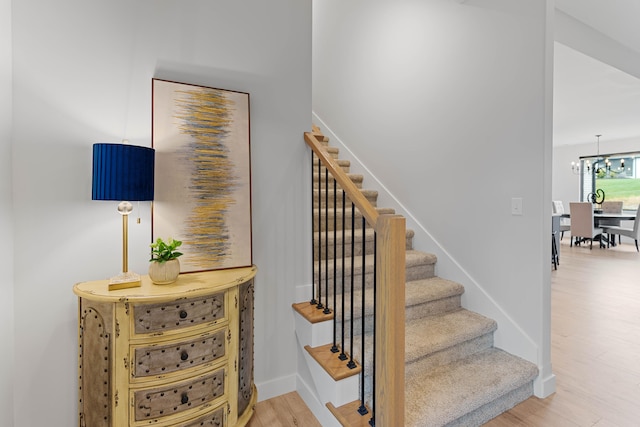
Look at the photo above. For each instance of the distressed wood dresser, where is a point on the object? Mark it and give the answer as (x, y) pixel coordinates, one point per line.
(167, 355)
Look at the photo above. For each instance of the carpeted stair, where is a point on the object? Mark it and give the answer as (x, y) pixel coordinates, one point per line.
(454, 375)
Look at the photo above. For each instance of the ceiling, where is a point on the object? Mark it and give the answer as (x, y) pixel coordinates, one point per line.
(591, 97)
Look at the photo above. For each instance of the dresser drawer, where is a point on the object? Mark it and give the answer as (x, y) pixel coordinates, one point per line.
(214, 419)
(158, 402)
(153, 318)
(166, 358)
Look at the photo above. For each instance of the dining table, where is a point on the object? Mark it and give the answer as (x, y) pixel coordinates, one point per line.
(621, 216)
(599, 215)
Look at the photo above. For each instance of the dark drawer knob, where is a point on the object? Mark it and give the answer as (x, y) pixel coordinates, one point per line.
(183, 314)
(184, 355)
(184, 398)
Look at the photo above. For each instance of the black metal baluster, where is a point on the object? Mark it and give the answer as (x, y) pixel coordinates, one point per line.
(319, 305)
(351, 363)
(372, 421)
(313, 238)
(326, 241)
(334, 347)
(362, 410)
(343, 355)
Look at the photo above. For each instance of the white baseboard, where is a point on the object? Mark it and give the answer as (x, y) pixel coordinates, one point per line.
(319, 410)
(544, 387)
(276, 387)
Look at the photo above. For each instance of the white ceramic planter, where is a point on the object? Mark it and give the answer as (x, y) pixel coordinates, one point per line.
(163, 273)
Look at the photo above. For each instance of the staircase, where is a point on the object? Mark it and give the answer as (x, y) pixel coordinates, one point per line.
(454, 376)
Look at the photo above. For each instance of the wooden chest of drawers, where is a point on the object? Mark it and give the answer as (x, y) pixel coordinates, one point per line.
(167, 355)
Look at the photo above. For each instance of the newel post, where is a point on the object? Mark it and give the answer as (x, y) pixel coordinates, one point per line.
(390, 321)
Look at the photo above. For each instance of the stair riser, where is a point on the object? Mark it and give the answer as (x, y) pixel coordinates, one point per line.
(487, 412)
(433, 308)
(452, 354)
(372, 197)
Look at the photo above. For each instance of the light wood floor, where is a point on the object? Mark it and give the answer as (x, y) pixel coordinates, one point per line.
(595, 342)
(288, 410)
(595, 349)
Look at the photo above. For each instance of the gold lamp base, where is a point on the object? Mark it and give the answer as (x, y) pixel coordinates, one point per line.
(124, 281)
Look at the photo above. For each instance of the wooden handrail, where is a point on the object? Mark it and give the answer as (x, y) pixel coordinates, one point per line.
(390, 301)
(354, 194)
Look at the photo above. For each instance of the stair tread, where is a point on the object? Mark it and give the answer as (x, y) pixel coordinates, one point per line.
(352, 176)
(332, 244)
(338, 161)
(428, 335)
(381, 211)
(413, 258)
(418, 292)
(339, 190)
(448, 392)
(369, 235)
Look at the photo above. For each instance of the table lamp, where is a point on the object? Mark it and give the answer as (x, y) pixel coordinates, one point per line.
(123, 173)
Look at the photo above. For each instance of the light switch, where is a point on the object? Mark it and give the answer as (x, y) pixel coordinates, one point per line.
(516, 206)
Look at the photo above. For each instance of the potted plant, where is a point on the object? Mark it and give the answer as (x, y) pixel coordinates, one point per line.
(164, 266)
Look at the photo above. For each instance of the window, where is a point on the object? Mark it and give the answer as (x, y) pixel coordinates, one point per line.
(612, 177)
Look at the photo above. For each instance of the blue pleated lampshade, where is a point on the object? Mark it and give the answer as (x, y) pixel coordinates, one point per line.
(122, 172)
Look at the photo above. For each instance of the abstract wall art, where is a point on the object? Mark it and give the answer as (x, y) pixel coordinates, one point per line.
(202, 173)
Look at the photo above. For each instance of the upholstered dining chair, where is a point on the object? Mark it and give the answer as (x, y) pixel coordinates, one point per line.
(611, 207)
(582, 227)
(565, 223)
(634, 232)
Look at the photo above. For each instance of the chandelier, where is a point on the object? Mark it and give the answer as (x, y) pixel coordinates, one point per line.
(597, 167)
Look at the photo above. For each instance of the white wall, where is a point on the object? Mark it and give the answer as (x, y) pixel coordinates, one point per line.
(448, 105)
(83, 74)
(6, 220)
